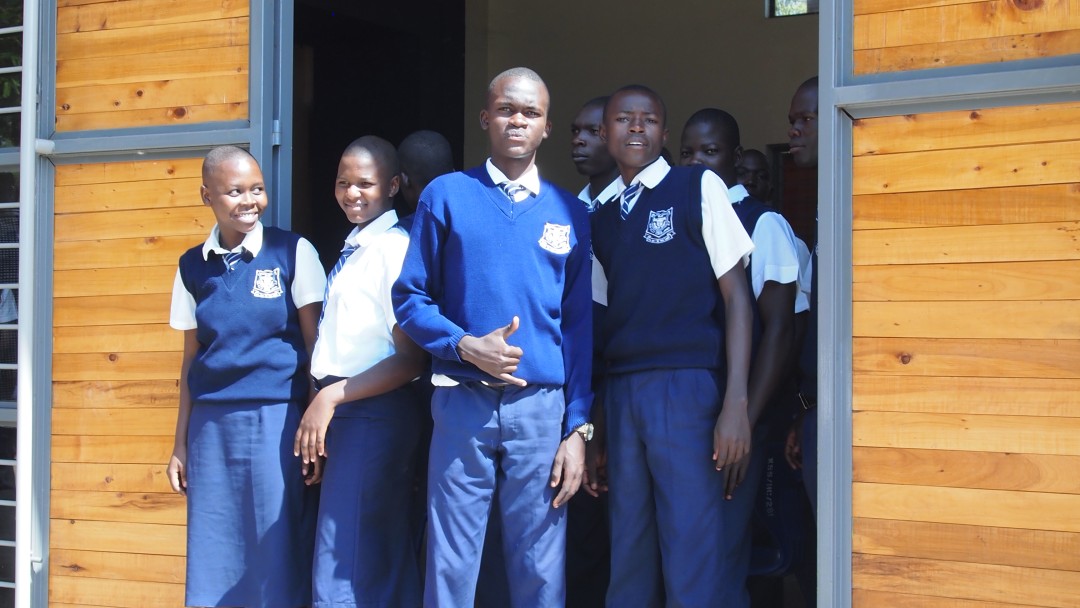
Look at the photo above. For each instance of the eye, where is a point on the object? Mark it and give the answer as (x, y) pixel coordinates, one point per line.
(595, 132)
(712, 151)
(257, 190)
(234, 192)
(684, 153)
(652, 121)
(622, 119)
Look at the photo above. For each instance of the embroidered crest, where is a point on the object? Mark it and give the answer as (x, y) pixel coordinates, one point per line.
(556, 238)
(660, 229)
(267, 284)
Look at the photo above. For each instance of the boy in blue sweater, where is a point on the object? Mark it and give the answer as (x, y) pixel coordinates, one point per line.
(676, 342)
(495, 285)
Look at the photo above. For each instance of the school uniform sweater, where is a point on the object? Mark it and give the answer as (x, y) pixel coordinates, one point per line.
(251, 349)
(663, 301)
(475, 260)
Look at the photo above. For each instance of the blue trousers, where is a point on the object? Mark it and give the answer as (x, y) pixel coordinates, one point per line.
(364, 552)
(486, 441)
(675, 541)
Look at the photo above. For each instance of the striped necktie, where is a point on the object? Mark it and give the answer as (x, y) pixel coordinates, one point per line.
(232, 258)
(514, 191)
(629, 196)
(345, 253)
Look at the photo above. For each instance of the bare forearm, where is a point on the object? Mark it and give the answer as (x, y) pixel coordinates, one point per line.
(392, 372)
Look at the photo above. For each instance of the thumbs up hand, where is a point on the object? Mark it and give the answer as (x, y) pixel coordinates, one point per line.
(492, 354)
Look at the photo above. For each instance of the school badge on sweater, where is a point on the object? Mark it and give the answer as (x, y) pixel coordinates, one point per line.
(660, 229)
(267, 284)
(556, 238)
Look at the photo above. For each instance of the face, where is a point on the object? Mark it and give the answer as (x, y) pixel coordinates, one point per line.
(363, 190)
(803, 132)
(634, 129)
(516, 118)
(753, 173)
(703, 144)
(587, 150)
(237, 194)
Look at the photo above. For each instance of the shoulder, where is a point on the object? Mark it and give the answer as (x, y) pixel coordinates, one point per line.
(280, 237)
(191, 257)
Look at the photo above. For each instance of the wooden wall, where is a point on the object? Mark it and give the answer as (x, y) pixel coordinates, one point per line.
(140, 63)
(898, 35)
(966, 357)
(117, 535)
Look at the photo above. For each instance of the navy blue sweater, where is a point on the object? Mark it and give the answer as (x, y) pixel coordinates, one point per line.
(476, 260)
(664, 302)
(251, 349)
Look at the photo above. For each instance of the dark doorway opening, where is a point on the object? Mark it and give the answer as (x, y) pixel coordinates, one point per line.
(368, 68)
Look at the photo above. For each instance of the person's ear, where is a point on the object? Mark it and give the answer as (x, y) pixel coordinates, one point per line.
(395, 185)
(547, 129)
(484, 119)
(663, 140)
(204, 194)
(738, 155)
(603, 133)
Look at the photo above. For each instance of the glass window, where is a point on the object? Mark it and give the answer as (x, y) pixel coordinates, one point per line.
(788, 8)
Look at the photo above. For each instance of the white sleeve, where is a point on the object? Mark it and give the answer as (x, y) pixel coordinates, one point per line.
(182, 311)
(599, 281)
(775, 257)
(309, 279)
(806, 270)
(396, 246)
(725, 239)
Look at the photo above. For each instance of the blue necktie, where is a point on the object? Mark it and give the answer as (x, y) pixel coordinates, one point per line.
(628, 197)
(514, 191)
(345, 253)
(232, 258)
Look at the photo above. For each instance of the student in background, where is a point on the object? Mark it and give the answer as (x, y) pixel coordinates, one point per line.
(247, 300)
(752, 172)
(423, 155)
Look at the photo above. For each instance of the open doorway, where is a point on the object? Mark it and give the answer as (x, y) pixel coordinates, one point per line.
(368, 68)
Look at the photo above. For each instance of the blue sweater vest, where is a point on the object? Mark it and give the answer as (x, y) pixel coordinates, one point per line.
(476, 260)
(250, 346)
(663, 297)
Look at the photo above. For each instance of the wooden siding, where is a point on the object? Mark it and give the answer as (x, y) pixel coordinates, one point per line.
(966, 357)
(142, 63)
(900, 35)
(117, 535)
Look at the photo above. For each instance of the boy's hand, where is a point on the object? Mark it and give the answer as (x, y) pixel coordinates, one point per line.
(734, 476)
(310, 440)
(731, 436)
(568, 468)
(793, 445)
(316, 469)
(176, 470)
(596, 463)
(492, 354)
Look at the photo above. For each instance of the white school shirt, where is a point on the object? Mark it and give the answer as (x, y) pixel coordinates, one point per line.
(530, 179)
(599, 278)
(775, 256)
(358, 317)
(609, 192)
(308, 282)
(725, 239)
(806, 275)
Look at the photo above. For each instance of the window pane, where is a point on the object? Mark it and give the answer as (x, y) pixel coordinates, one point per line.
(9, 189)
(11, 50)
(10, 13)
(10, 90)
(9, 130)
(787, 8)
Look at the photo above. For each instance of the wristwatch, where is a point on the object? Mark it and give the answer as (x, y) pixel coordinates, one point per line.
(586, 431)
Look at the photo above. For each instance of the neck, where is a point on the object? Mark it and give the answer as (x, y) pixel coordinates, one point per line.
(513, 168)
(230, 240)
(728, 177)
(598, 182)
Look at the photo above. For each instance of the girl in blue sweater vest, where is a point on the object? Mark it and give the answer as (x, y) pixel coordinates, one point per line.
(247, 301)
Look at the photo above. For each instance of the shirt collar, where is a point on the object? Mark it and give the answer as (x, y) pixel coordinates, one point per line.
(252, 242)
(530, 179)
(649, 176)
(737, 193)
(609, 192)
(361, 237)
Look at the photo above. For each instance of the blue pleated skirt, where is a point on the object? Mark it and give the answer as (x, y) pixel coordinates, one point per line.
(250, 516)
